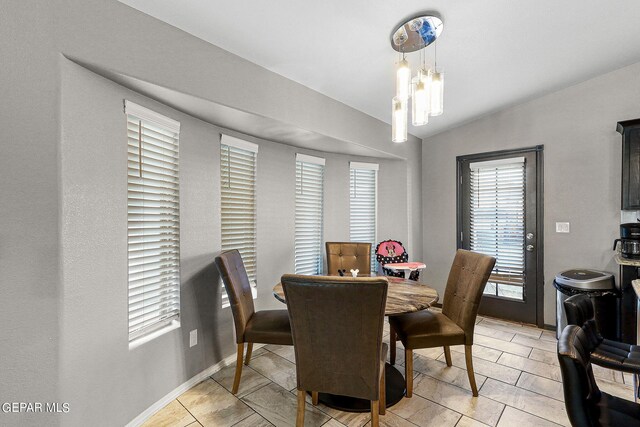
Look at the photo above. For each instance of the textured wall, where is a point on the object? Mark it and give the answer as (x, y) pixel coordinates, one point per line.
(61, 255)
(29, 219)
(94, 346)
(582, 157)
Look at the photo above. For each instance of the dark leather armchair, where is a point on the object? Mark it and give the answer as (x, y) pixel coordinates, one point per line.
(586, 405)
(264, 327)
(610, 354)
(455, 324)
(337, 336)
(348, 256)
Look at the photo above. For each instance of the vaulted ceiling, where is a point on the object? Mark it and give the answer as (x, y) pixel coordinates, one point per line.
(495, 53)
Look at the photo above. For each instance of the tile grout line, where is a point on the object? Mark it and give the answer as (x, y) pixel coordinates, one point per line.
(251, 415)
(439, 380)
(487, 397)
(469, 416)
(531, 391)
(519, 376)
(185, 408)
(389, 409)
(501, 414)
(239, 398)
(459, 419)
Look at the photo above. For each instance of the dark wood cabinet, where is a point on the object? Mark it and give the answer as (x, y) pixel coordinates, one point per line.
(628, 305)
(630, 130)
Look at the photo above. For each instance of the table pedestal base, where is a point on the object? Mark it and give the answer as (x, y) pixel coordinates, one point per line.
(394, 388)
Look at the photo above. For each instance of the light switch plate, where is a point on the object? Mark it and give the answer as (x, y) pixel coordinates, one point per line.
(193, 338)
(562, 227)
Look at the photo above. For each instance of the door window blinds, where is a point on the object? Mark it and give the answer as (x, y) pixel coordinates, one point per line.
(363, 207)
(309, 202)
(238, 192)
(153, 221)
(497, 221)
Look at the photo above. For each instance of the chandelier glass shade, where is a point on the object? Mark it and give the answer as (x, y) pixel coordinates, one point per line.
(398, 120)
(437, 94)
(425, 90)
(403, 80)
(420, 95)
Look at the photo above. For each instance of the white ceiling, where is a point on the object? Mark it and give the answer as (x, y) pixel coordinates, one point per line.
(495, 53)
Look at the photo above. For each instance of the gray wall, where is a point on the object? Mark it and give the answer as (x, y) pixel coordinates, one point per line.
(582, 157)
(94, 340)
(61, 259)
(29, 220)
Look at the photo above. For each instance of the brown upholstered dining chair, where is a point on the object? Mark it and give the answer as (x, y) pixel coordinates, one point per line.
(263, 327)
(454, 325)
(348, 256)
(336, 324)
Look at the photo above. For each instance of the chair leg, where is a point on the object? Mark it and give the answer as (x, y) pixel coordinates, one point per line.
(375, 419)
(635, 388)
(472, 379)
(300, 415)
(383, 394)
(392, 345)
(248, 356)
(447, 355)
(408, 371)
(236, 379)
(314, 398)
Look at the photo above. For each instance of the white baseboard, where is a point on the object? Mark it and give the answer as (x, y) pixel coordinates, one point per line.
(173, 394)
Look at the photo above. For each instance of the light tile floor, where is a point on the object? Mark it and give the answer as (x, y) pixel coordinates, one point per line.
(516, 369)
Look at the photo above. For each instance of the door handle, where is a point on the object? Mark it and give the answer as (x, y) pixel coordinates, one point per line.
(530, 248)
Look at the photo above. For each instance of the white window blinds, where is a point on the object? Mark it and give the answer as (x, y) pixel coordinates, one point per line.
(497, 221)
(309, 203)
(153, 222)
(238, 192)
(363, 207)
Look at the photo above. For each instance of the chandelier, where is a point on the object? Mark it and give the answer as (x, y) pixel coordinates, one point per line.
(426, 88)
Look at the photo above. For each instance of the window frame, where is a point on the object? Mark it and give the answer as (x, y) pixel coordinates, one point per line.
(360, 166)
(239, 147)
(314, 163)
(161, 147)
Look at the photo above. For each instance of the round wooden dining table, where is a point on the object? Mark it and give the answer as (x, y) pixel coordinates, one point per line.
(403, 296)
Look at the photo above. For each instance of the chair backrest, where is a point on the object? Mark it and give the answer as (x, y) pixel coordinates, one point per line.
(579, 310)
(236, 282)
(581, 393)
(391, 249)
(348, 256)
(337, 323)
(467, 278)
(391, 252)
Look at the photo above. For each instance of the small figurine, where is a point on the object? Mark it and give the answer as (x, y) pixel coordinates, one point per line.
(354, 273)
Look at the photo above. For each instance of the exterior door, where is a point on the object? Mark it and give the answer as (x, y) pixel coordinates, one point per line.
(500, 214)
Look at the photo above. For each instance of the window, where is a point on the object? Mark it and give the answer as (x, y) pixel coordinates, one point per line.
(309, 198)
(497, 222)
(363, 210)
(238, 192)
(153, 222)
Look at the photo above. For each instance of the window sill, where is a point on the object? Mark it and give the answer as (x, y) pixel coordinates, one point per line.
(137, 342)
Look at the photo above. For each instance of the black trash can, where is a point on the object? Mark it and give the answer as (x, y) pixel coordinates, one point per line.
(600, 286)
